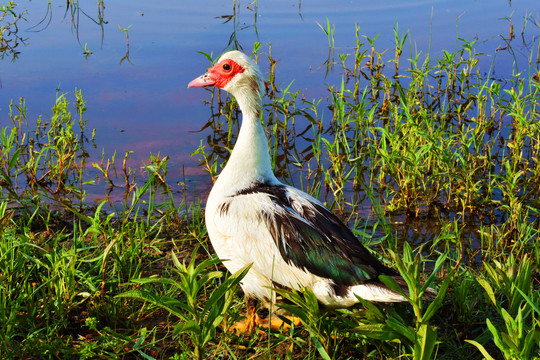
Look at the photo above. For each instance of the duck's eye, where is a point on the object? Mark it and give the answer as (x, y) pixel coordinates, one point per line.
(226, 67)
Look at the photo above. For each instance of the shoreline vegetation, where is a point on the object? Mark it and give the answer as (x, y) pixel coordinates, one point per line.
(417, 140)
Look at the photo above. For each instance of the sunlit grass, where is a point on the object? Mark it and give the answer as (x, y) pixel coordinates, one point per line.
(434, 140)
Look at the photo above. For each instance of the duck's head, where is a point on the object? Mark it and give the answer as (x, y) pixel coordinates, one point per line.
(235, 73)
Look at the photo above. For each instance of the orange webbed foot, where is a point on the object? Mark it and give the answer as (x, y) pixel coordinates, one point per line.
(253, 321)
(275, 322)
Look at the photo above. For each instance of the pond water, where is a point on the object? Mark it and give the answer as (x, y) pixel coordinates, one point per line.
(138, 100)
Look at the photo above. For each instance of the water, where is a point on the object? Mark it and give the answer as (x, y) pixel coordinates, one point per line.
(140, 102)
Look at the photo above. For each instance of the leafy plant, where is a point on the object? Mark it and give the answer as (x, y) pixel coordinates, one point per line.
(198, 320)
(520, 335)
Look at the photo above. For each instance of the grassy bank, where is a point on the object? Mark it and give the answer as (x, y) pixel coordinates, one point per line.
(424, 141)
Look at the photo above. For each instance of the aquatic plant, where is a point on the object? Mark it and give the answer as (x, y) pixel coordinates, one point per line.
(432, 141)
(10, 39)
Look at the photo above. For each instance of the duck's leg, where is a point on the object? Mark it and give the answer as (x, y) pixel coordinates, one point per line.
(247, 325)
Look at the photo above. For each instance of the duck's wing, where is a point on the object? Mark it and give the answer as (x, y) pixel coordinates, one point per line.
(311, 237)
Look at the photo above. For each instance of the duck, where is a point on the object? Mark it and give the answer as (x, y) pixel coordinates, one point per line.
(289, 238)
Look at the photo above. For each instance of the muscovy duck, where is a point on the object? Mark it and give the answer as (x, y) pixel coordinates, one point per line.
(290, 238)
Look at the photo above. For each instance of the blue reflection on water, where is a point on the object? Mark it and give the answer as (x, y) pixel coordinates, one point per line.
(143, 105)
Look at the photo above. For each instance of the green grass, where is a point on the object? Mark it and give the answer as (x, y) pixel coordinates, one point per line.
(433, 141)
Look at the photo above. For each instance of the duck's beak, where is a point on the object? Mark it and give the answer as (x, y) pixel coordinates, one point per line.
(201, 81)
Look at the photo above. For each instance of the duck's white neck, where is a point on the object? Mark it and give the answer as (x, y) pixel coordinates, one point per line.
(250, 159)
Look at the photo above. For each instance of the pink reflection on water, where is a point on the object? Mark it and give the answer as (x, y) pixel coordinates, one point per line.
(145, 106)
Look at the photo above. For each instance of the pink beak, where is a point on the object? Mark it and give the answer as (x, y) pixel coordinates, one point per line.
(201, 81)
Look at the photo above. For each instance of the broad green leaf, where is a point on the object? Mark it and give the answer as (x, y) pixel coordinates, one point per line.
(376, 331)
(489, 290)
(531, 340)
(435, 304)
(496, 336)
(438, 265)
(296, 311)
(187, 326)
(153, 299)
(321, 349)
(154, 280)
(372, 308)
(482, 349)
(401, 328)
(529, 301)
(426, 339)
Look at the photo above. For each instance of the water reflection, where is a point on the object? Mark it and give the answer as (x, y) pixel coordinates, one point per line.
(132, 61)
(73, 12)
(10, 39)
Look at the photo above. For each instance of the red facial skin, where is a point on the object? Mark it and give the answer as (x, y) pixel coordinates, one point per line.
(218, 75)
(224, 71)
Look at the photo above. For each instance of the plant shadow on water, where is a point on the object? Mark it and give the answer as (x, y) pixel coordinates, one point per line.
(433, 163)
(438, 145)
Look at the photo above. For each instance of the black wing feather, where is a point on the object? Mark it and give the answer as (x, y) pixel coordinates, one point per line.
(313, 238)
